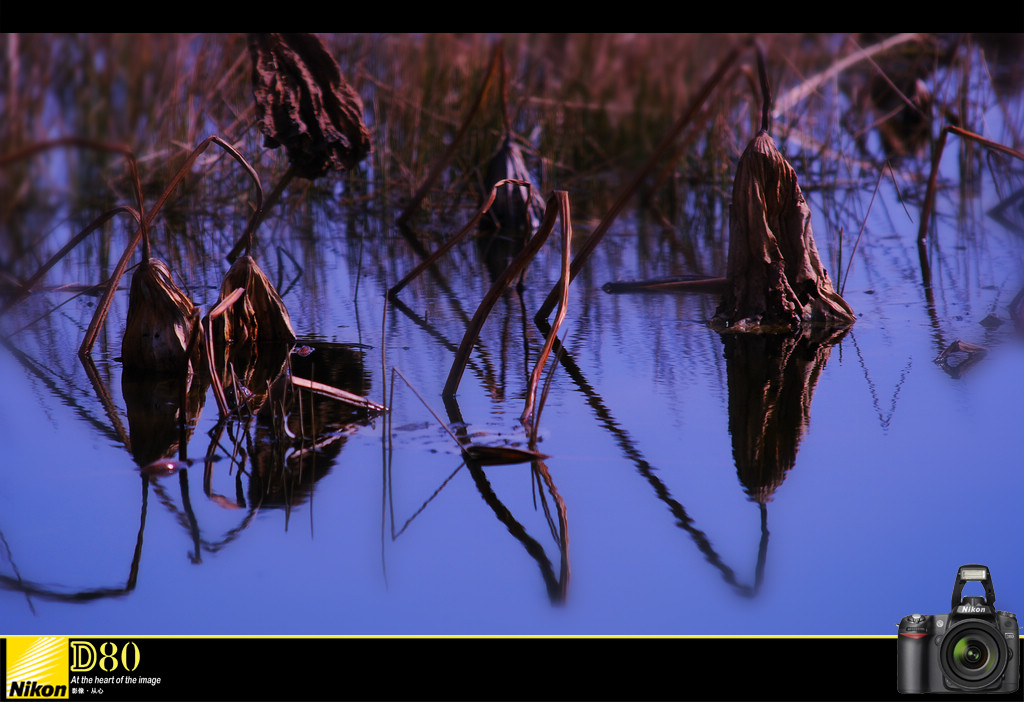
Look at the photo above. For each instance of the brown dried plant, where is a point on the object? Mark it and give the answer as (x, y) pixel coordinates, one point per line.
(160, 323)
(775, 278)
(260, 314)
(304, 104)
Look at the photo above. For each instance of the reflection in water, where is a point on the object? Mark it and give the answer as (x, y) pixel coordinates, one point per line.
(649, 472)
(277, 444)
(299, 435)
(157, 427)
(771, 380)
(52, 592)
(497, 248)
(557, 584)
(277, 454)
(283, 440)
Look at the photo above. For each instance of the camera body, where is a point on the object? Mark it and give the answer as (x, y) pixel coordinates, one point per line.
(975, 648)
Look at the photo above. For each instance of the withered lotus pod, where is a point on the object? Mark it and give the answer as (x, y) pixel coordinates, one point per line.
(160, 321)
(776, 280)
(259, 315)
(304, 103)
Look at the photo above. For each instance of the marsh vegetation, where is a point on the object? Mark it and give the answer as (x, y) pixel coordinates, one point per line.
(499, 324)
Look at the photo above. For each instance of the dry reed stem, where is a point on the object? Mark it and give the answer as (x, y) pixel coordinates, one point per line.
(535, 420)
(856, 242)
(138, 213)
(442, 162)
(459, 236)
(25, 289)
(499, 286)
(104, 305)
(602, 228)
(929, 197)
(245, 240)
(430, 409)
(809, 86)
(338, 394)
(218, 387)
(563, 304)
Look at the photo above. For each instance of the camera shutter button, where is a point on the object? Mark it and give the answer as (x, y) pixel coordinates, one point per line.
(915, 618)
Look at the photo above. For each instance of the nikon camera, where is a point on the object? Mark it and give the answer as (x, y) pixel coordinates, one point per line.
(973, 649)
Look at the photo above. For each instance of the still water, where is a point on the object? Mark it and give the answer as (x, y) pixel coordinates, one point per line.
(778, 487)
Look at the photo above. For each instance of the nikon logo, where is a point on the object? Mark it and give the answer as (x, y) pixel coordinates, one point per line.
(971, 608)
(37, 667)
(31, 688)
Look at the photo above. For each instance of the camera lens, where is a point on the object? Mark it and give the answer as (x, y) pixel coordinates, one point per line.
(971, 654)
(972, 657)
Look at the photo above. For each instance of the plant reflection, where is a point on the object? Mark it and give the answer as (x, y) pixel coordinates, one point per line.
(556, 583)
(771, 379)
(278, 451)
(159, 421)
(284, 439)
(51, 592)
(683, 520)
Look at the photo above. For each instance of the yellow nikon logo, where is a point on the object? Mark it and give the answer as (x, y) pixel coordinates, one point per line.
(37, 667)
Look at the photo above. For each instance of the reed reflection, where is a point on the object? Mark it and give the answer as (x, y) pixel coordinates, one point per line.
(557, 584)
(277, 453)
(300, 435)
(634, 454)
(59, 592)
(556, 578)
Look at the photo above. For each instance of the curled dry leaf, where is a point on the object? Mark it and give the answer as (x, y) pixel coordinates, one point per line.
(776, 280)
(160, 321)
(957, 358)
(304, 103)
(259, 314)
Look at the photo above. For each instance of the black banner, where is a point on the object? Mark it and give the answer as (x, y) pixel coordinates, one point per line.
(440, 668)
